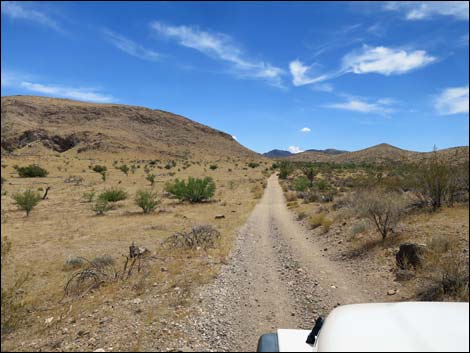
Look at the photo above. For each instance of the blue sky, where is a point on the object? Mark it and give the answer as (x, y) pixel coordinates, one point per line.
(281, 75)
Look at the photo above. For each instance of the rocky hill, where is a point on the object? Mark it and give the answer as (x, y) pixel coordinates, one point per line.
(67, 126)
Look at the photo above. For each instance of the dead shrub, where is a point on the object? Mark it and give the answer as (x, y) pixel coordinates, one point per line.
(203, 236)
(318, 220)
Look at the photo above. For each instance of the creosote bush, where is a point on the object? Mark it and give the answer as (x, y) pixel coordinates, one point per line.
(27, 200)
(113, 195)
(147, 200)
(301, 184)
(32, 171)
(194, 190)
(383, 209)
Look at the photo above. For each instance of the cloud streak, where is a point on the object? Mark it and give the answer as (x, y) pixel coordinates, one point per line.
(452, 100)
(361, 106)
(221, 47)
(420, 10)
(25, 11)
(305, 129)
(24, 82)
(130, 47)
(385, 61)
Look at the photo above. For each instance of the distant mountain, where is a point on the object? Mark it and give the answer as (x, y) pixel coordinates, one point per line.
(282, 153)
(379, 154)
(277, 154)
(328, 151)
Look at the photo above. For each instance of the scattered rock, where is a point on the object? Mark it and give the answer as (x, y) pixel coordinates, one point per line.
(392, 292)
(219, 216)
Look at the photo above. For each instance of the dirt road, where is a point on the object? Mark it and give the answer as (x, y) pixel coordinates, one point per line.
(275, 278)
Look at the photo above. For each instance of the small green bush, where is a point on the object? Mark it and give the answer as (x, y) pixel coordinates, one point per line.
(253, 165)
(99, 168)
(32, 171)
(194, 190)
(125, 169)
(27, 200)
(301, 184)
(147, 200)
(101, 206)
(88, 196)
(113, 195)
(151, 178)
(213, 166)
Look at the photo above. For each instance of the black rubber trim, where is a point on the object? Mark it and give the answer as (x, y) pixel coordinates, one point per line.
(268, 343)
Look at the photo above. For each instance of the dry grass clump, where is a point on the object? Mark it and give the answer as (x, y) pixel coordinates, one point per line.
(12, 305)
(320, 219)
(445, 271)
(291, 196)
(257, 191)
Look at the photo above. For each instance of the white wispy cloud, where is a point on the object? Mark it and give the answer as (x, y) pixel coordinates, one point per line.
(295, 149)
(24, 82)
(29, 12)
(380, 60)
(130, 47)
(385, 61)
(452, 100)
(222, 47)
(419, 10)
(234, 137)
(361, 106)
(305, 129)
(301, 74)
(323, 87)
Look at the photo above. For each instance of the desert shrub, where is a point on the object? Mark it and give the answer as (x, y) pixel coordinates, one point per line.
(103, 261)
(12, 293)
(88, 196)
(113, 195)
(310, 172)
(322, 185)
(257, 191)
(358, 228)
(285, 169)
(101, 206)
(253, 165)
(99, 168)
(32, 171)
(204, 236)
(384, 209)
(124, 168)
(194, 190)
(327, 196)
(73, 263)
(274, 165)
(291, 196)
(147, 200)
(436, 181)
(213, 166)
(310, 196)
(318, 220)
(27, 200)
(151, 178)
(3, 181)
(445, 272)
(301, 184)
(301, 216)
